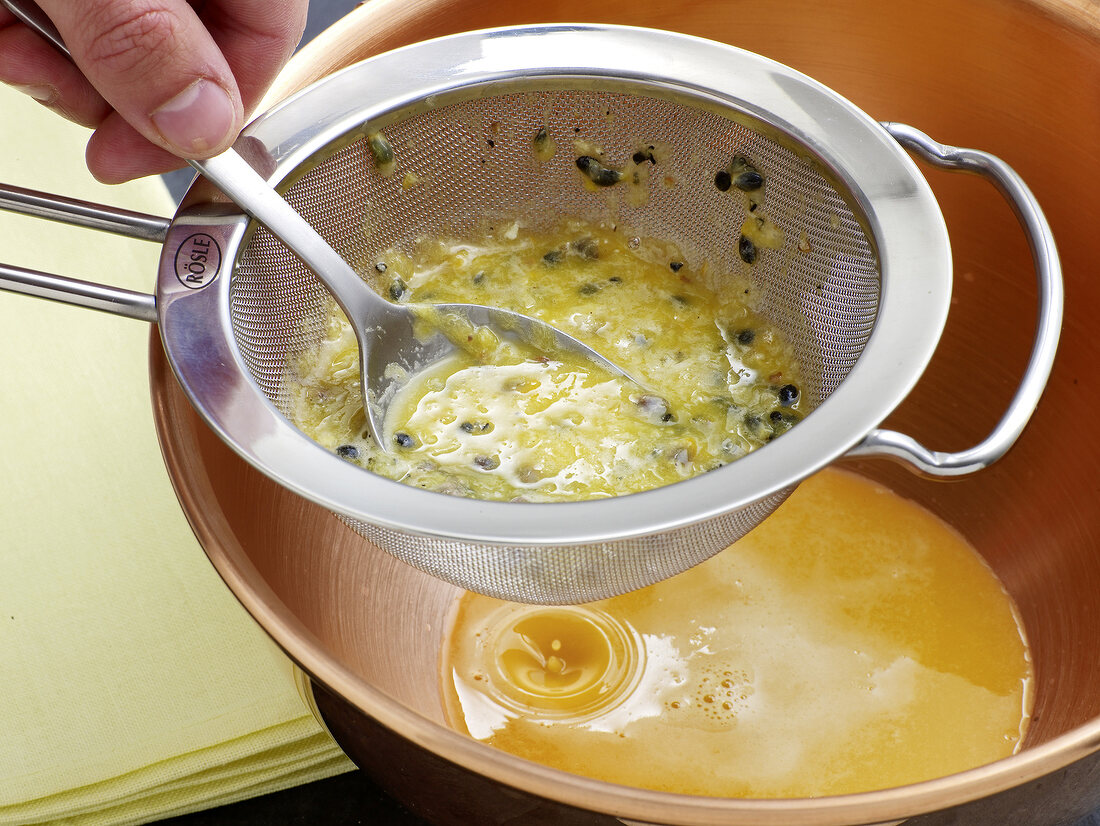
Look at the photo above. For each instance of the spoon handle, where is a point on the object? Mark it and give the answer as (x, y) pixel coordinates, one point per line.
(31, 15)
(234, 176)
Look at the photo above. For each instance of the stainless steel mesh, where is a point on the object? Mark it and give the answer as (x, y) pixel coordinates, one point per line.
(470, 164)
(569, 573)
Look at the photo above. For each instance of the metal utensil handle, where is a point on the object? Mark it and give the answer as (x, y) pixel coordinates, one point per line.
(91, 295)
(1048, 271)
(30, 14)
(87, 294)
(250, 191)
(84, 214)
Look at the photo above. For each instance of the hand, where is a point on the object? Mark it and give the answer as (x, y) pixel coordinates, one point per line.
(158, 80)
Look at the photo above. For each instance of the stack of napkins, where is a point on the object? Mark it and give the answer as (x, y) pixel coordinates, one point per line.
(133, 686)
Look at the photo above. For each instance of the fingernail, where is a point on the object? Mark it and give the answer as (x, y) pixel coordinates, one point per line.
(197, 119)
(43, 94)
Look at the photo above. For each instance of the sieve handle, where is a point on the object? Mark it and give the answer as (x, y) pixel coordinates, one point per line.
(1048, 272)
(128, 303)
(86, 294)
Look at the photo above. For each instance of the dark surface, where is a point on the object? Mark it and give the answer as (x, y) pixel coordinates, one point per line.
(344, 800)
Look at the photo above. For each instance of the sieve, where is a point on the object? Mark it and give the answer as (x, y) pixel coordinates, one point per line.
(860, 287)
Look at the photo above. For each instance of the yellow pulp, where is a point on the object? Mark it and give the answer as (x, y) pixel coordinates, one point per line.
(851, 642)
(502, 421)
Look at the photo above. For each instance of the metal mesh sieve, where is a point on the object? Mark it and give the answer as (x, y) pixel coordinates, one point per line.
(470, 164)
(473, 165)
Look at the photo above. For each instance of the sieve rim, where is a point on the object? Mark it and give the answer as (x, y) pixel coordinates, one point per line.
(902, 218)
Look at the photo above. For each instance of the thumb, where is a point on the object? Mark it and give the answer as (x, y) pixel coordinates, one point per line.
(156, 64)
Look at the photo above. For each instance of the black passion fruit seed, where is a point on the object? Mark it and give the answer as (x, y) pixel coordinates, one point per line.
(782, 421)
(586, 247)
(348, 452)
(746, 337)
(477, 428)
(746, 249)
(655, 408)
(744, 175)
(381, 152)
(597, 173)
(398, 290)
(675, 266)
(788, 395)
(749, 181)
(553, 257)
(723, 181)
(406, 440)
(543, 145)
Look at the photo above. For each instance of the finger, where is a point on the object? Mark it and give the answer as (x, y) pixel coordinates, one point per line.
(155, 63)
(257, 37)
(31, 65)
(117, 153)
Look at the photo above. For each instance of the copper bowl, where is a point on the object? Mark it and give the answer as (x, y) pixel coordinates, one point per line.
(1012, 77)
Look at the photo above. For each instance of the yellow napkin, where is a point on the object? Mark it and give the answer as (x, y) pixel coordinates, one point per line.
(133, 686)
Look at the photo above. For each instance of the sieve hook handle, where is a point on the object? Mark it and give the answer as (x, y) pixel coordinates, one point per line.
(88, 294)
(1048, 272)
(140, 306)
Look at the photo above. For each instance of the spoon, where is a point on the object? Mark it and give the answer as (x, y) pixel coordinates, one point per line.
(387, 333)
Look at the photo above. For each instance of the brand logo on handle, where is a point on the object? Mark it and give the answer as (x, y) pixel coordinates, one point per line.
(198, 260)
